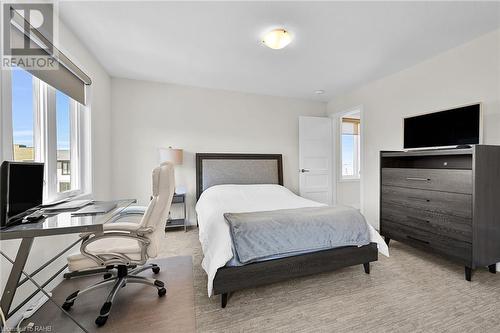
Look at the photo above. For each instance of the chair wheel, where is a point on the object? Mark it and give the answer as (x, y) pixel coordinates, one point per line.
(162, 292)
(101, 320)
(156, 269)
(67, 305)
(107, 276)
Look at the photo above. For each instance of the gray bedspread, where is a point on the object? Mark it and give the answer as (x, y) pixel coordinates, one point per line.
(258, 235)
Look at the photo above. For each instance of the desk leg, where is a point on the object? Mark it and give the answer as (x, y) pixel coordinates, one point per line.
(15, 274)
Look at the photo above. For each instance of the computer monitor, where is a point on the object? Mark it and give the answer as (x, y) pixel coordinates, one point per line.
(21, 189)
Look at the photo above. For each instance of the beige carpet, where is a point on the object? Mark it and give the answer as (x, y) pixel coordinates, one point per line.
(137, 308)
(409, 292)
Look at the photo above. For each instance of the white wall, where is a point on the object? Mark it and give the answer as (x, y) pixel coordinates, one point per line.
(348, 193)
(100, 104)
(466, 74)
(149, 115)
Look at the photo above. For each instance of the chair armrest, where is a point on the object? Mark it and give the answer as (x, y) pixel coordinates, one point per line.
(100, 258)
(118, 228)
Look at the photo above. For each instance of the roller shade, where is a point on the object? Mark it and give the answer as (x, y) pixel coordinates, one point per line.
(350, 126)
(65, 77)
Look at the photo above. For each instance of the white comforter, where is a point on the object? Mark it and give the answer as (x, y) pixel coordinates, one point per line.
(214, 232)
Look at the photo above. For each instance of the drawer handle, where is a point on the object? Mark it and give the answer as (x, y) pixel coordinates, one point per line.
(417, 219)
(421, 199)
(417, 179)
(418, 240)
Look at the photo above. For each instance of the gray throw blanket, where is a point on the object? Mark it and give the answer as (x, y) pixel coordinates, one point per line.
(258, 235)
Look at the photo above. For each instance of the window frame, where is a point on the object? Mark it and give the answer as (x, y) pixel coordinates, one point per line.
(6, 138)
(45, 137)
(75, 143)
(65, 168)
(357, 149)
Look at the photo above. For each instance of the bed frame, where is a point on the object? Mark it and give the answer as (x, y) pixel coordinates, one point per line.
(216, 169)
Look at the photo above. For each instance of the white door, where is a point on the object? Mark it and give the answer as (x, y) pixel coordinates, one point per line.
(315, 158)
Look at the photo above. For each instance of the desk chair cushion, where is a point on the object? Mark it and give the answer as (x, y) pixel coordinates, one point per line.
(129, 247)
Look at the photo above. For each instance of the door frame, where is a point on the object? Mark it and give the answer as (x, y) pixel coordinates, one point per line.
(337, 149)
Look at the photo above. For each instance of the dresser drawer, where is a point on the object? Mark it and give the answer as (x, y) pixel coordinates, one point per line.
(455, 227)
(458, 181)
(454, 204)
(449, 247)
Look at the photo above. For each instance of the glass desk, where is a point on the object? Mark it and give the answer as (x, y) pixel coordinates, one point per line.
(60, 223)
(64, 223)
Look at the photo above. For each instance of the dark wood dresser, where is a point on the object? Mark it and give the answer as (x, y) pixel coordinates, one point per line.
(444, 201)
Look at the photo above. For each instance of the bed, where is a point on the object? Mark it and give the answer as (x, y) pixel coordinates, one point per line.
(245, 184)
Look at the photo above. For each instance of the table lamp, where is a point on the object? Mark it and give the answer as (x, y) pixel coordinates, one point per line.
(173, 155)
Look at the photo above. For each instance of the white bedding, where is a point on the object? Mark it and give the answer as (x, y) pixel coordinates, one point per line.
(214, 232)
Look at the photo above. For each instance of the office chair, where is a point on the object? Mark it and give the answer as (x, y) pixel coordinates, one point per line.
(131, 214)
(126, 246)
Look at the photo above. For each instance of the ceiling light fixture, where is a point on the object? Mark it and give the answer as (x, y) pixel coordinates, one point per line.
(319, 92)
(277, 39)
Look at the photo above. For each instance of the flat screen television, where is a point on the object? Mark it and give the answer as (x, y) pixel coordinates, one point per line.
(21, 189)
(455, 127)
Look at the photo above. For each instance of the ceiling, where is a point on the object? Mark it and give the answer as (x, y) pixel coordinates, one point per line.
(337, 46)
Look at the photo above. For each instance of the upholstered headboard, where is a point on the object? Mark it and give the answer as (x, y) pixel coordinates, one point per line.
(217, 169)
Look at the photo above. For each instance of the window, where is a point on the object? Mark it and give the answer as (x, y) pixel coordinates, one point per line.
(63, 186)
(65, 119)
(23, 114)
(47, 127)
(350, 135)
(65, 170)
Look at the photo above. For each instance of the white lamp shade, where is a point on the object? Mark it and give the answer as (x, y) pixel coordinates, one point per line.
(172, 155)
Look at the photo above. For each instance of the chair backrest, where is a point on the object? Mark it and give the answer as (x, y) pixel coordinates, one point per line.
(156, 214)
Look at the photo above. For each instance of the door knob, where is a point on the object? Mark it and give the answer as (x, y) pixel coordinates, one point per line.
(304, 170)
